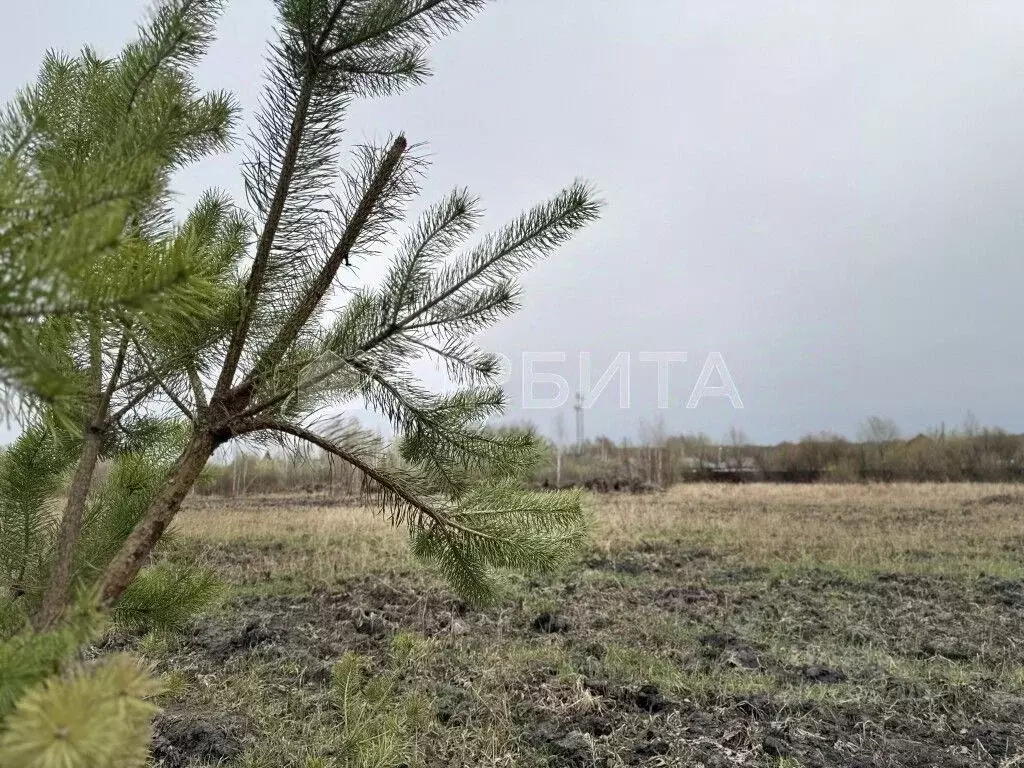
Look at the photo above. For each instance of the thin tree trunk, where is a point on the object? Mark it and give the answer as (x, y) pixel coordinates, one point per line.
(55, 598)
(137, 547)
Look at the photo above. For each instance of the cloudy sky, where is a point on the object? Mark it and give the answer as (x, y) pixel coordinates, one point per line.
(827, 194)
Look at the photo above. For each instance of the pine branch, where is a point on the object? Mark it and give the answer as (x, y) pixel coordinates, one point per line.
(388, 483)
(176, 31)
(533, 235)
(257, 273)
(165, 598)
(161, 384)
(451, 13)
(314, 81)
(463, 361)
(58, 722)
(112, 381)
(471, 310)
(198, 390)
(381, 478)
(31, 474)
(329, 26)
(528, 238)
(133, 402)
(58, 308)
(314, 294)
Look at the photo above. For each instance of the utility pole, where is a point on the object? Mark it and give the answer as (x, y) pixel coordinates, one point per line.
(559, 442)
(578, 407)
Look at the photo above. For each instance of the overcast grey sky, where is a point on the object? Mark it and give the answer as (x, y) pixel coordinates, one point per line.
(828, 193)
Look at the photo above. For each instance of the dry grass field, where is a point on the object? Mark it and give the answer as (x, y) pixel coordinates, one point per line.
(753, 625)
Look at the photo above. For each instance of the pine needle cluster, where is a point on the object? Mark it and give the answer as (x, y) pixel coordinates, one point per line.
(33, 471)
(96, 715)
(381, 725)
(87, 239)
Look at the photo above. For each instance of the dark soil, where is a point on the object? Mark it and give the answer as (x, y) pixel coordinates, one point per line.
(181, 741)
(730, 665)
(551, 623)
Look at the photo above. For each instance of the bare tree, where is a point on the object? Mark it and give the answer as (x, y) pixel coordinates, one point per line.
(880, 434)
(737, 440)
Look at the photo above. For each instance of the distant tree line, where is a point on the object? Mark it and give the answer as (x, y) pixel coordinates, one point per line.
(655, 459)
(969, 453)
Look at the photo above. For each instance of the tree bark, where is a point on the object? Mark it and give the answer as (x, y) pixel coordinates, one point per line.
(55, 597)
(137, 547)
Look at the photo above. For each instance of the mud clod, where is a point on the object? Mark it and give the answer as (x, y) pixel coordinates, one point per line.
(652, 748)
(815, 673)
(731, 649)
(776, 746)
(551, 623)
(649, 699)
(222, 644)
(567, 750)
(183, 741)
(574, 749)
(597, 687)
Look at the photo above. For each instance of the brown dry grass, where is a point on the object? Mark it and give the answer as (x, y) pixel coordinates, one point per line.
(936, 528)
(260, 539)
(932, 528)
(274, 518)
